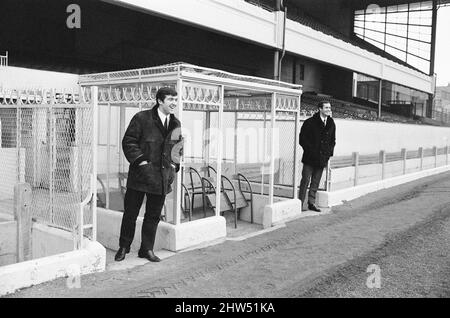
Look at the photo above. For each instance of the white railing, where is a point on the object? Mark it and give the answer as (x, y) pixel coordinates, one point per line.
(356, 169)
(4, 59)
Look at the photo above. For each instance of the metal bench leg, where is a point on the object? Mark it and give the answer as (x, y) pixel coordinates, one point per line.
(204, 204)
(192, 202)
(190, 210)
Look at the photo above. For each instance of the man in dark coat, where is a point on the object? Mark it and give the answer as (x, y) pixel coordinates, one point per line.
(150, 173)
(317, 138)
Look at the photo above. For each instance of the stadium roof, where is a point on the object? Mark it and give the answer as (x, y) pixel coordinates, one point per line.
(356, 4)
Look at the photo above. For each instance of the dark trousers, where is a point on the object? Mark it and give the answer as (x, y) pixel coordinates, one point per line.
(313, 174)
(133, 201)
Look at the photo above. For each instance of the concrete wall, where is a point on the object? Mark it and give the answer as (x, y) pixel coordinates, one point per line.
(368, 137)
(91, 258)
(343, 178)
(8, 242)
(26, 78)
(329, 199)
(47, 241)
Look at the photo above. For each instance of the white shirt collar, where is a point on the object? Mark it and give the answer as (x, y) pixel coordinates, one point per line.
(324, 119)
(163, 117)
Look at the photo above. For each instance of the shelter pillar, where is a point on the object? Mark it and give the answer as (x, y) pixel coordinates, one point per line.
(176, 208)
(296, 149)
(272, 147)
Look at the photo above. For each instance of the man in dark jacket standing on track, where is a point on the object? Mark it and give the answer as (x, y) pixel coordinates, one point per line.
(150, 174)
(317, 138)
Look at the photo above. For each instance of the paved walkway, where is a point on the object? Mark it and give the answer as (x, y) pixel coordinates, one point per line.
(403, 230)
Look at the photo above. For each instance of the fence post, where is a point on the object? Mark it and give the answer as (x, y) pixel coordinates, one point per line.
(446, 155)
(22, 215)
(383, 163)
(356, 164)
(435, 156)
(404, 160)
(421, 157)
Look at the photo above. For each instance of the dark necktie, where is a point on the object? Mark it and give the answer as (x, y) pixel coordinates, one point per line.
(165, 124)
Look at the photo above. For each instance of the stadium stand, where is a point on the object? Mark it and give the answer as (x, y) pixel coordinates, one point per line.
(295, 14)
(343, 109)
(350, 110)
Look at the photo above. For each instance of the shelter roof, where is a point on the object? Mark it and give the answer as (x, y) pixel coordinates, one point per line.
(153, 74)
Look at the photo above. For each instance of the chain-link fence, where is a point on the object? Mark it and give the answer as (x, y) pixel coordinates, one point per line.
(247, 148)
(284, 168)
(47, 141)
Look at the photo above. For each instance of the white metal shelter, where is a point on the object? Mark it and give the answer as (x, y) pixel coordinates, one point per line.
(210, 95)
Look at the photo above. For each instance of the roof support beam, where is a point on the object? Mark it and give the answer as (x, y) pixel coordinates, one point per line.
(433, 37)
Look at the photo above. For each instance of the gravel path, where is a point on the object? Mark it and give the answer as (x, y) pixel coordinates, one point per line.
(404, 230)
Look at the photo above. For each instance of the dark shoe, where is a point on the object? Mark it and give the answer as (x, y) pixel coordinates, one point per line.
(312, 207)
(149, 255)
(120, 255)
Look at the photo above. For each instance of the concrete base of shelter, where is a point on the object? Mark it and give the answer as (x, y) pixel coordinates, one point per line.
(91, 258)
(333, 198)
(259, 204)
(280, 212)
(45, 241)
(8, 242)
(168, 236)
(48, 241)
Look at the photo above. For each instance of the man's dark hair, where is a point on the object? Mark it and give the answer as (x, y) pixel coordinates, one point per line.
(323, 102)
(163, 92)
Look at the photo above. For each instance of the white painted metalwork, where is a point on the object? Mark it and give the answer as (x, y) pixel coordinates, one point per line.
(287, 103)
(167, 74)
(296, 150)
(213, 92)
(94, 161)
(53, 135)
(272, 147)
(177, 189)
(219, 152)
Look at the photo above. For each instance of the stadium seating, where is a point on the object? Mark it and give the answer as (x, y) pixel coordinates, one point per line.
(350, 110)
